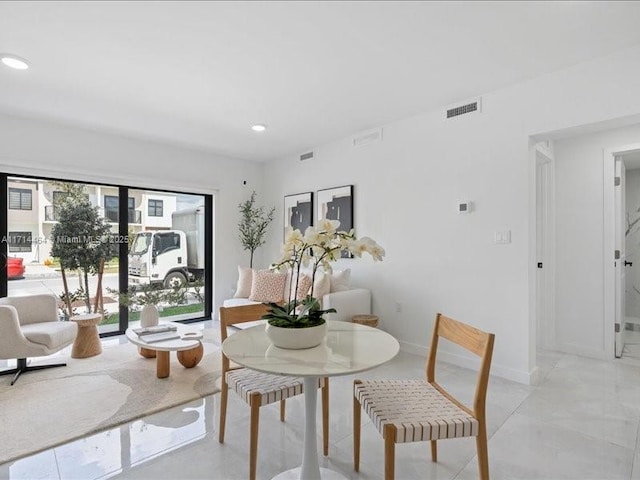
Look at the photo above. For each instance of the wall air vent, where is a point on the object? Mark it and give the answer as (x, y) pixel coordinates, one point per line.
(474, 106)
(307, 156)
(368, 137)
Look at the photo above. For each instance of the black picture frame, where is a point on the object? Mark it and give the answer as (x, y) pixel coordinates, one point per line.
(298, 211)
(337, 204)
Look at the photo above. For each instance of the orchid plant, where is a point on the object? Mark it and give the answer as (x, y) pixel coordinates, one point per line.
(317, 248)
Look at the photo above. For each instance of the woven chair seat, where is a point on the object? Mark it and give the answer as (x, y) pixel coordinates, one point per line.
(272, 388)
(417, 409)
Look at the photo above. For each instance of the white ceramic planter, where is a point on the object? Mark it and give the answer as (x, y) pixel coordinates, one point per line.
(296, 338)
(149, 316)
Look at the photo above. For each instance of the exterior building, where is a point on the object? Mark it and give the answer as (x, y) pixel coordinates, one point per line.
(32, 214)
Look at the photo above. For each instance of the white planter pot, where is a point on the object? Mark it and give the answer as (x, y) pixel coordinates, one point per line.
(296, 338)
(149, 316)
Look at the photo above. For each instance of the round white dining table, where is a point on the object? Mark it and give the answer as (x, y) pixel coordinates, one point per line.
(348, 348)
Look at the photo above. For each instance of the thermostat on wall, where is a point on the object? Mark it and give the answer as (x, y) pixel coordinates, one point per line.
(464, 206)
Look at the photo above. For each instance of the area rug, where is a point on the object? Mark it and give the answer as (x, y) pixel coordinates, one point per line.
(49, 407)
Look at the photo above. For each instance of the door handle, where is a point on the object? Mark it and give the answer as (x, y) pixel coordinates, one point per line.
(628, 264)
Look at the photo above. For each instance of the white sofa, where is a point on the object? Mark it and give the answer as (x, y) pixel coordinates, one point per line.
(339, 294)
(347, 303)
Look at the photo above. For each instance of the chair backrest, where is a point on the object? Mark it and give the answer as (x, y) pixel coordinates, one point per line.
(476, 341)
(239, 314)
(34, 308)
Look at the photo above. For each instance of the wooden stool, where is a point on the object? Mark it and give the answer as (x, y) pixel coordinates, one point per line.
(368, 320)
(87, 342)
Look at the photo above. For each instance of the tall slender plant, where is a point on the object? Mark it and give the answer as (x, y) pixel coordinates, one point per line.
(253, 225)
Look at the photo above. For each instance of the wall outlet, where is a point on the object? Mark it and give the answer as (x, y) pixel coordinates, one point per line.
(398, 307)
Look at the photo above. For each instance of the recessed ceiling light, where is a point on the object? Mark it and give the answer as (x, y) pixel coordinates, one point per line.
(13, 61)
(258, 127)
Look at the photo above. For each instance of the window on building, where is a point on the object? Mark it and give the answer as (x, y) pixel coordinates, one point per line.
(20, 199)
(59, 197)
(20, 242)
(111, 209)
(155, 208)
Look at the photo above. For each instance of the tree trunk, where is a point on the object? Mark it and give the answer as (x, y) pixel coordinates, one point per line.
(251, 260)
(99, 301)
(87, 294)
(66, 292)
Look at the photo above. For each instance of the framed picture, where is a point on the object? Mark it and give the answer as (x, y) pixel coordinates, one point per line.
(337, 204)
(298, 211)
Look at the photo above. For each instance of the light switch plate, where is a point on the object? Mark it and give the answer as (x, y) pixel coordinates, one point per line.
(502, 237)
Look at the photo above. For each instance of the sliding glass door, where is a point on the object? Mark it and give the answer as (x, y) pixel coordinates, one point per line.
(108, 248)
(167, 257)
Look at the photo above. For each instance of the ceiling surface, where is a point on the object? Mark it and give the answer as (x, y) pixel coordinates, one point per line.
(200, 74)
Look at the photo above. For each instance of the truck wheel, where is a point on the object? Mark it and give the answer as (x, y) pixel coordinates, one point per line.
(174, 279)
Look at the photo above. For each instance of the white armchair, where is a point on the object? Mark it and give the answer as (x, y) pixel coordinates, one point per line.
(29, 327)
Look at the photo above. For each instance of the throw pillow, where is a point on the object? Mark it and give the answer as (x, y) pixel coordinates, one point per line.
(340, 280)
(245, 277)
(304, 284)
(321, 286)
(267, 286)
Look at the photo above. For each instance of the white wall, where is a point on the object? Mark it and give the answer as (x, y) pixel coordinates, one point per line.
(580, 320)
(43, 148)
(406, 189)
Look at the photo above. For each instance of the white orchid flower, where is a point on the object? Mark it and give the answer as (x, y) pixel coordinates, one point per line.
(328, 226)
(377, 253)
(322, 245)
(371, 247)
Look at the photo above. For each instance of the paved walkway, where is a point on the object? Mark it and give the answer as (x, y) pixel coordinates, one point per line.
(38, 270)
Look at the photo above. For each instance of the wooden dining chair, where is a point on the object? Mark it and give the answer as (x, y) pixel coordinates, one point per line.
(418, 410)
(258, 389)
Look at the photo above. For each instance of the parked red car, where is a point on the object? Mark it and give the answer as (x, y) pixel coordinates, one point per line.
(15, 268)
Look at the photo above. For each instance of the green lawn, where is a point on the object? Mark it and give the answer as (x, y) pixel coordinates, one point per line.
(166, 312)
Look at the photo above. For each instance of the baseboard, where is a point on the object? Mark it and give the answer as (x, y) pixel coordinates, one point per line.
(527, 378)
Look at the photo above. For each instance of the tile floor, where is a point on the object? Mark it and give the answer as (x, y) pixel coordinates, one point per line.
(581, 422)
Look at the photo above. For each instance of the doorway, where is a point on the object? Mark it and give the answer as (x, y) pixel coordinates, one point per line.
(631, 326)
(622, 242)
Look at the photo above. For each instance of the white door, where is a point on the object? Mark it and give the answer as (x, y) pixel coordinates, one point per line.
(620, 230)
(545, 326)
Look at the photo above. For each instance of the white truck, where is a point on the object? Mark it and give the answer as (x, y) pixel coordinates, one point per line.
(170, 257)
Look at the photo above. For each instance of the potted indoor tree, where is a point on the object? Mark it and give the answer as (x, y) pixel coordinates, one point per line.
(299, 322)
(253, 225)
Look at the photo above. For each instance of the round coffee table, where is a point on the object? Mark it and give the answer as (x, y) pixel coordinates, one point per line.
(87, 342)
(190, 350)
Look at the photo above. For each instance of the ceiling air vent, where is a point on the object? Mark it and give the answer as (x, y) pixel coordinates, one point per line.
(366, 138)
(472, 107)
(307, 156)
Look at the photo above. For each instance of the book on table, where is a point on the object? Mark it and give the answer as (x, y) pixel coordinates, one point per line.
(160, 337)
(144, 331)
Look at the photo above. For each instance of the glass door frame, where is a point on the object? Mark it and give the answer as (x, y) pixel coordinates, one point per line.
(123, 250)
